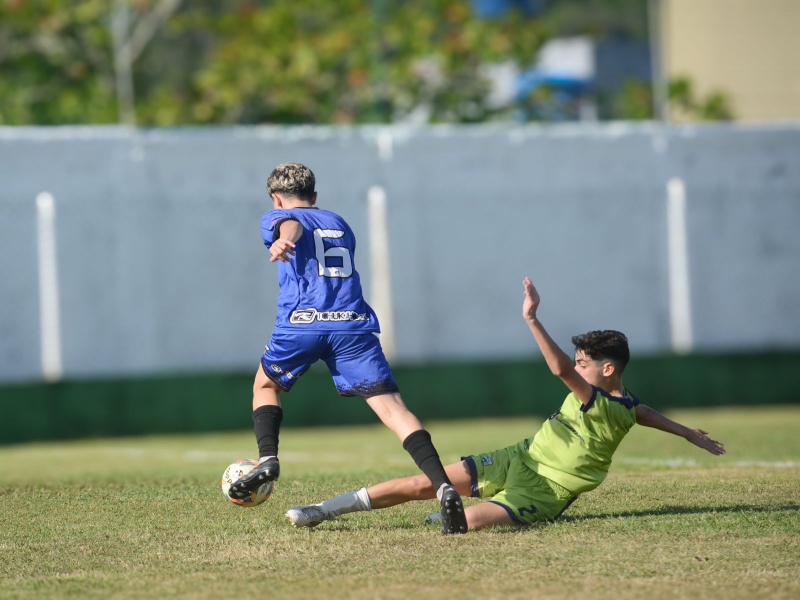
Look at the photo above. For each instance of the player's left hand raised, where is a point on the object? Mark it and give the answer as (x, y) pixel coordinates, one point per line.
(531, 302)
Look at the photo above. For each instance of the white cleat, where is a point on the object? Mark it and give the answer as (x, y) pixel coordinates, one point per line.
(306, 516)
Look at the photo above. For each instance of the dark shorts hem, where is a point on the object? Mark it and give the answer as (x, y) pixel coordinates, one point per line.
(566, 506)
(386, 387)
(510, 513)
(473, 475)
(274, 379)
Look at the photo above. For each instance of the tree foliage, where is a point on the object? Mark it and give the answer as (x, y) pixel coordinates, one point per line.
(280, 61)
(685, 105)
(318, 61)
(55, 63)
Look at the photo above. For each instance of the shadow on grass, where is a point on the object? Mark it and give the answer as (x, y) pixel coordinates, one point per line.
(682, 510)
(343, 524)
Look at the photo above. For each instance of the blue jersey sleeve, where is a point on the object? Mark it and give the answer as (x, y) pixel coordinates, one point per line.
(270, 225)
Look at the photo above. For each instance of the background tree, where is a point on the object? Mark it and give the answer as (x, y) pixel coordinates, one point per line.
(55, 63)
(286, 61)
(322, 62)
(685, 105)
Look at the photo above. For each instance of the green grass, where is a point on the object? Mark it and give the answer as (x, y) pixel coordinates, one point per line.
(145, 518)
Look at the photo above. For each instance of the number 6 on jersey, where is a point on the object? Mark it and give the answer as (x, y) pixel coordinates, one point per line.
(334, 261)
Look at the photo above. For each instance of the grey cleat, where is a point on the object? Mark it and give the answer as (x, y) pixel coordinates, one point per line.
(306, 516)
(433, 519)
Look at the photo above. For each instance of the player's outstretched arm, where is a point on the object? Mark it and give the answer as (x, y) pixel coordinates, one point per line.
(559, 362)
(283, 248)
(650, 417)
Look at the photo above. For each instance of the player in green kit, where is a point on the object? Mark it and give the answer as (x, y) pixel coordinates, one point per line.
(538, 478)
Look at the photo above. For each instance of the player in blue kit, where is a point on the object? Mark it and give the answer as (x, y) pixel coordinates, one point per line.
(322, 315)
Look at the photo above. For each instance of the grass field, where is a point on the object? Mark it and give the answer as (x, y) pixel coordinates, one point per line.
(145, 518)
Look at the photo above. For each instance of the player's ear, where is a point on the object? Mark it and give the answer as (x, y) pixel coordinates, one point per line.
(314, 199)
(609, 368)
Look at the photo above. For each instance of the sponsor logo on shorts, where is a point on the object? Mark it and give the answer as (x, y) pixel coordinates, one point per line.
(307, 316)
(289, 375)
(486, 459)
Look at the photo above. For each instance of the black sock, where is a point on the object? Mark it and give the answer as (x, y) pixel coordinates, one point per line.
(267, 425)
(420, 447)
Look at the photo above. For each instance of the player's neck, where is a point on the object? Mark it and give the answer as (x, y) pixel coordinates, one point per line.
(614, 387)
(297, 204)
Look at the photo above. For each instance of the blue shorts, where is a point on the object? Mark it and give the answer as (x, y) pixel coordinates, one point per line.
(356, 362)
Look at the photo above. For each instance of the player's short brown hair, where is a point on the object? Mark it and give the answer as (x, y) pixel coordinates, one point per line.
(292, 179)
(606, 344)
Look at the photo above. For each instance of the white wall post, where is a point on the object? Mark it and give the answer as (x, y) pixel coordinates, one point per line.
(680, 310)
(381, 275)
(49, 305)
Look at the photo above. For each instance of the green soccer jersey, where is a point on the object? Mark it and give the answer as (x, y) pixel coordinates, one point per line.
(574, 447)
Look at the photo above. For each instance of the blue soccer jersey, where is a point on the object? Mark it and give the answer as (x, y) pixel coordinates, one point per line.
(320, 289)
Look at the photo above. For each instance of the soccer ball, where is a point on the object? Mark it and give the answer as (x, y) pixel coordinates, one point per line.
(234, 472)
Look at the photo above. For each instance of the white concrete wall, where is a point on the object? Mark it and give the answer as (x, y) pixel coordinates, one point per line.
(161, 266)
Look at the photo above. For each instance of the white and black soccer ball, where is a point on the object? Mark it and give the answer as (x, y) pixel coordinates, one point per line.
(234, 472)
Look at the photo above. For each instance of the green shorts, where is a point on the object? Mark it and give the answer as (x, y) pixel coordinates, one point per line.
(501, 477)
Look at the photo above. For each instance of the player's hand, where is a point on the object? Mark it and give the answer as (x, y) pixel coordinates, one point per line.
(700, 439)
(531, 302)
(282, 250)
